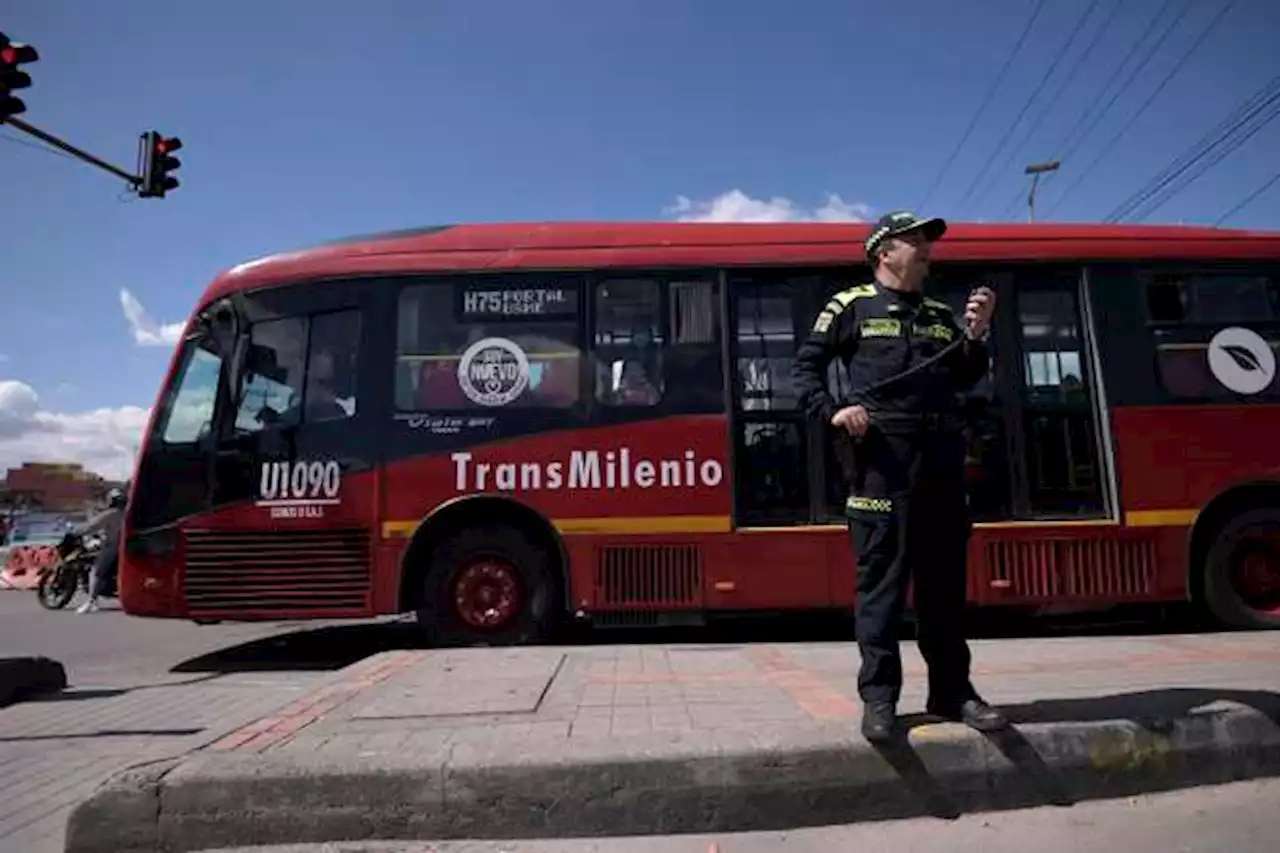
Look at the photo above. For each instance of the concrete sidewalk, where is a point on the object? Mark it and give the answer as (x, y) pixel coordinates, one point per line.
(608, 741)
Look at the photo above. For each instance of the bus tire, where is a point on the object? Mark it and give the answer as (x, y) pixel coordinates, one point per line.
(1242, 571)
(488, 585)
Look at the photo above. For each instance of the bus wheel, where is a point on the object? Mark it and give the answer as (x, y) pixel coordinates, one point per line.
(1242, 571)
(488, 585)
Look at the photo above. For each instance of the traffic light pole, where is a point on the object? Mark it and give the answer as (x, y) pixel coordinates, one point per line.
(133, 180)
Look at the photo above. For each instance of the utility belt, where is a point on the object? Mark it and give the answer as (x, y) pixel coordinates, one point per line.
(912, 423)
(894, 424)
(897, 423)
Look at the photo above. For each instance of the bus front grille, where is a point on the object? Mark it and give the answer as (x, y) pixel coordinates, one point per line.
(1063, 569)
(297, 572)
(649, 576)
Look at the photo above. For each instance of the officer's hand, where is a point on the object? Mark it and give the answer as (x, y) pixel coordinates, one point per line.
(978, 311)
(852, 419)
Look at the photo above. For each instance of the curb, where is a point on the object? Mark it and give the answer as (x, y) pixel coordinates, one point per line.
(730, 782)
(21, 678)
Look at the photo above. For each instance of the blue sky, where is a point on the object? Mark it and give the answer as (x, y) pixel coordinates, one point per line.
(307, 120)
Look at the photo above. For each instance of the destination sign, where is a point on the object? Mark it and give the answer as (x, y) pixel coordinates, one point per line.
(520, 302)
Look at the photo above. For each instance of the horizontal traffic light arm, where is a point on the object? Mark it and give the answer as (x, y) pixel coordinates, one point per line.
(49, 138)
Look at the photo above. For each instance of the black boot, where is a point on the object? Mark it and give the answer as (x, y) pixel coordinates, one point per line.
(974, 713)
(879, 721)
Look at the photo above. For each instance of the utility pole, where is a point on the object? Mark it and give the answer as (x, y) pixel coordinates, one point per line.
(155, 164)
(1036, 170)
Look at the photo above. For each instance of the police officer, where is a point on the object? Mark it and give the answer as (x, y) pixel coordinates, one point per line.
(907, 360)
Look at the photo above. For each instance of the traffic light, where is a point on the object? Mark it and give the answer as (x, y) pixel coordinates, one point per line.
(157, 164)
(12, 77)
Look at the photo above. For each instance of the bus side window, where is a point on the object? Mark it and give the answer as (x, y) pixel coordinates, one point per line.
(629, 343)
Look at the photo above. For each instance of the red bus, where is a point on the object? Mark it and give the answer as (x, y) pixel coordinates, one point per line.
(498, 427)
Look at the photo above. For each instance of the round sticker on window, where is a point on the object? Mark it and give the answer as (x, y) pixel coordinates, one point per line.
(1241, 360)
(493, 372)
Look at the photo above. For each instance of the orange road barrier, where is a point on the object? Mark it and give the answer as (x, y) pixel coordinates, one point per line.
(23, 565)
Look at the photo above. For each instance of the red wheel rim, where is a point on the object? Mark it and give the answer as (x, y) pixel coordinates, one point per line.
(487, 594)
(1255, 572)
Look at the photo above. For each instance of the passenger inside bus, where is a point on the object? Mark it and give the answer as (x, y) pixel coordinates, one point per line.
(319, 399)
(630, 385)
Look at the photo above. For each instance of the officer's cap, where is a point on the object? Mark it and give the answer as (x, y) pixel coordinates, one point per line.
(900, 222)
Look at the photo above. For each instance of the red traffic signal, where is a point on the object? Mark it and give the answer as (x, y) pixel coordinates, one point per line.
(157, 164)
(17, 54)
(12, 77)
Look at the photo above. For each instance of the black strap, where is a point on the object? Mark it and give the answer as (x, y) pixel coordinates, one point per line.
(846, 445)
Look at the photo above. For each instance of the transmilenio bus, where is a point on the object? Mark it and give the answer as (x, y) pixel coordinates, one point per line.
(499, 426)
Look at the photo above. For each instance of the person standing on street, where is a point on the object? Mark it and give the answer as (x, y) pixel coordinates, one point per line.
(908, 362)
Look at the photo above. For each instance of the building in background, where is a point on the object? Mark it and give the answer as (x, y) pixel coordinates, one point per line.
(58, 487)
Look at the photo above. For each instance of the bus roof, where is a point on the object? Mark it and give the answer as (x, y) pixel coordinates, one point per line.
(657, 245)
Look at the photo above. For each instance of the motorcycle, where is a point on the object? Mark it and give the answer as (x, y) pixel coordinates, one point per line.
(58, 582)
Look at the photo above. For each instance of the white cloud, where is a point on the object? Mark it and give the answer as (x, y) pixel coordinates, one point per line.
(105, 441)
(146, 331)
(737, 206)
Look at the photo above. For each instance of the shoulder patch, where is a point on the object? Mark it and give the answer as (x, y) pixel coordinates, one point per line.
(860, 291)
(838, 303)
(844, 298)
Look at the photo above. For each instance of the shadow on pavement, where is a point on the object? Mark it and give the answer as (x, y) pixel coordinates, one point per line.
(1035, 783)
(1154, 710)
(74, 695)
(333, 647)
(838, 626)
(329, 648)
(103, 733)
(1151, 709)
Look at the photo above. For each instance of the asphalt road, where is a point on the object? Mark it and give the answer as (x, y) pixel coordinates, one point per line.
(109, 645)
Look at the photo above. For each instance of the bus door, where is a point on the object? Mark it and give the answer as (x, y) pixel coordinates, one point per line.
(1041, 487)
(781, 478)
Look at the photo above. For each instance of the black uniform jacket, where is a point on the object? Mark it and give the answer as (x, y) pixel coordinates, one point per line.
(876, 333)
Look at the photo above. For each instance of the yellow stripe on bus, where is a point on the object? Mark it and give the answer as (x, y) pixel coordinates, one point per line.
(632, 525)
(676, 524)
(1161, 517)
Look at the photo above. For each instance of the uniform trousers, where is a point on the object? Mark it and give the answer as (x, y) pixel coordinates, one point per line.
(908, 518)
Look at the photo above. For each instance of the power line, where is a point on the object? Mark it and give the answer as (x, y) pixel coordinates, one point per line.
(985, 101)
(1070, 142)
(1229, 124)
(1109, 147)
(25, 144)
(1053, 66)
(1222, 155)
(1199, 148)
(1243, 203)
(1127, 83)
(1115, 75)
(1054, 98)
(1224, 144)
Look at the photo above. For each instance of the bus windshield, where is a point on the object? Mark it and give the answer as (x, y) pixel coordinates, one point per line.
(174, 456)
